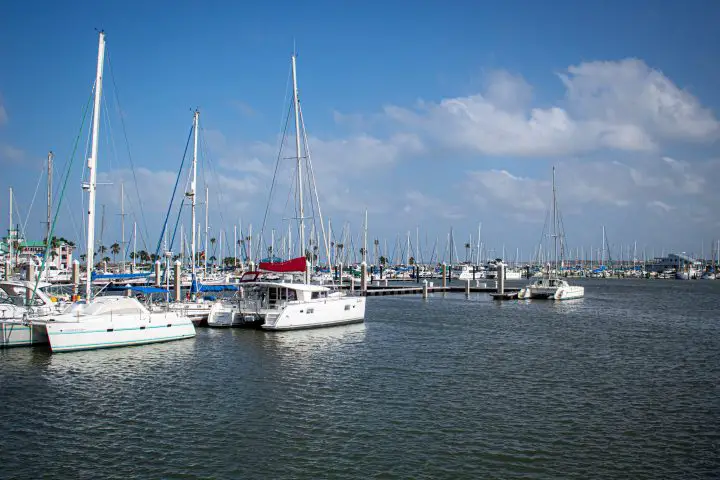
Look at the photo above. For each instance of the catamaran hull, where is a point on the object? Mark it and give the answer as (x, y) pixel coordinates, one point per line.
(69, 336)
(323, 313)
(562, 293)
(17, 334)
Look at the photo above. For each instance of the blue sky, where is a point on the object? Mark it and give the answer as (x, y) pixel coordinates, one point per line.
(439, 114)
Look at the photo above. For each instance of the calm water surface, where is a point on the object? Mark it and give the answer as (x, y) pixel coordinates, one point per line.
(621, 384)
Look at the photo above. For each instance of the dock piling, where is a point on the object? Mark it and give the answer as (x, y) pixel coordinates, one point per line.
(30, 277)
(467, 288)
(157, 274)
(444, 275)
(501, 278)
(363, 277)
(176, 280)
(425, 289)
(75, 278)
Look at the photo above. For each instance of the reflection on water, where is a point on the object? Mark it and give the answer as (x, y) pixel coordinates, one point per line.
(315, 340)
(620, 384)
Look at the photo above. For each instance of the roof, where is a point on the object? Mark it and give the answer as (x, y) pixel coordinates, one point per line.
(307, 287)
(32, 243)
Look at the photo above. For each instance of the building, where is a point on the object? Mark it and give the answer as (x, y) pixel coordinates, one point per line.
(678, 262)
(25, 251)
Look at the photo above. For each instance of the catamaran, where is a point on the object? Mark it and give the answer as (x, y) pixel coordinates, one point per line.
(287, 305)
(104, 322)
(550, 285)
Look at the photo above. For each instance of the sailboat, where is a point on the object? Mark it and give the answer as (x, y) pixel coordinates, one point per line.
(285, 305)
(550, 285)
(196, 307)
(104, 322)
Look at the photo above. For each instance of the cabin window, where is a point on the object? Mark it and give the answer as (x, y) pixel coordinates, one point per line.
(347, 307)
(315, 295)
(310, 310)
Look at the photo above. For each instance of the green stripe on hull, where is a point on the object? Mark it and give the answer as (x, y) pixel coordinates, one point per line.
(95, 346)
(118, 329)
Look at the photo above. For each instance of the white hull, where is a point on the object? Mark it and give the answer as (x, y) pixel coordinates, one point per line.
(17, 334)
(551, 288)
(224, 315)
(116, 322)
(320, 313)
(293, 315)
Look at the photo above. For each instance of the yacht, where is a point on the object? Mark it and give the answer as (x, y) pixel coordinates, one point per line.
(18, 301)
(492, 268)
(550, 285)
(464, 272)
(279, 305)
(104, 322)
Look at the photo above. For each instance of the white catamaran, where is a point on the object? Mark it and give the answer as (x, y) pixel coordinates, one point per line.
(550, 285)
(104, 322)
(285, 305)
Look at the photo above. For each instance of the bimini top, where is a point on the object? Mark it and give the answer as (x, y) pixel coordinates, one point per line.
(305, 287)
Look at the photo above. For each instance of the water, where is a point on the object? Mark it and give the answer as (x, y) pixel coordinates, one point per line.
(621, 384)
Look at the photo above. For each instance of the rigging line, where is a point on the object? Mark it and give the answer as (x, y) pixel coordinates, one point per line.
(48, 242)
(127, 144)
(32, 202)
(272, 184)
(314, 184)
(172, 197)
(220, 193)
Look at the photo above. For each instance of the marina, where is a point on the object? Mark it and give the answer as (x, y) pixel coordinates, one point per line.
(620, 384)
(354, 241)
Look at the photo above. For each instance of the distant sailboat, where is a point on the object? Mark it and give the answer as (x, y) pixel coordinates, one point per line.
(550, 285)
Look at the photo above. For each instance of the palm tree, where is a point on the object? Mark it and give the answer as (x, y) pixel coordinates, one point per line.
(83, 257)
(411, 260)
(383, 260)
(467, 250)
(114, 249)
(212, 243)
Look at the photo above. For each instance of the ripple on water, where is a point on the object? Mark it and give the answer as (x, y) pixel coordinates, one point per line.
(622, 384)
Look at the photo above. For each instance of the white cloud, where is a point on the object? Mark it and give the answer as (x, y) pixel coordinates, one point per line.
(621, 105)
(667, 185)
(630, 92)
(661, 205)
(10, 154)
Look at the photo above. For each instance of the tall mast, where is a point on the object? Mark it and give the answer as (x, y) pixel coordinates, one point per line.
(296, 103)
(92, 166)
(122, 223)
(49, 193)
(364, 254)
(207, 228)
(10, 230)
(191, 193)
(134, 257)
(554, 219)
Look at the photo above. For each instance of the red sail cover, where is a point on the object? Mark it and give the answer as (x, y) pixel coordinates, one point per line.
(294, 265)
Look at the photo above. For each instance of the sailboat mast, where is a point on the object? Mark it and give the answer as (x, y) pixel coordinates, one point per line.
(193, 196)
(364, 252)
(10, 231)
(296, 103)
(207, 204)
(554, 219)
(122, 223)
(92, 166)
(134, 257)
(49, 192)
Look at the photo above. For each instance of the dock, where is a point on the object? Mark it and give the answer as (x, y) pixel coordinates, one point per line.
(381, 290)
